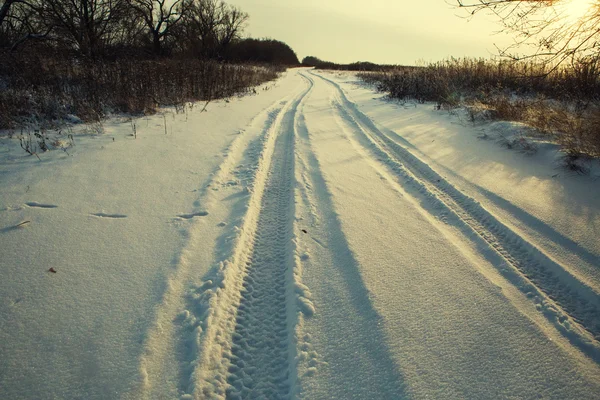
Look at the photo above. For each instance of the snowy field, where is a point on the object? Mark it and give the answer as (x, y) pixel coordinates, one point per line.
(313, 241)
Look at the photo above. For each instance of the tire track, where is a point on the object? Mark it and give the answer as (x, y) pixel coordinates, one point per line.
(247, 348)
(259, 357)
(173, 348)
(345, 345)
(570, 305)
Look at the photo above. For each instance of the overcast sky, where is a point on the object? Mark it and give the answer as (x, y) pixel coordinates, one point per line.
(382, 31)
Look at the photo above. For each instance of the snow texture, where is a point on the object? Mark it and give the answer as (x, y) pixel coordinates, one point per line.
(312, 241)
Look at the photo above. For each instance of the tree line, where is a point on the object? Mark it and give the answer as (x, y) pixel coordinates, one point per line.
(205, 29)
(311, 61)
(92, 58)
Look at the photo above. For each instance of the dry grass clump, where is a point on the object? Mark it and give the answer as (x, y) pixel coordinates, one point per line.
(419, 83)
(578, 132)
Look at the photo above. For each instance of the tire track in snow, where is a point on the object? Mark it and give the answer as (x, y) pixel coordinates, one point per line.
(345, 345)
(176, 326)
(259, 356)
(246, 343)
(570, 305)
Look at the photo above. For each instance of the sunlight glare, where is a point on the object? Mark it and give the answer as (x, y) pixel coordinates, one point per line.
(574, 10)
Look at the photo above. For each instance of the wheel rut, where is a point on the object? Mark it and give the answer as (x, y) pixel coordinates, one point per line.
(195, 335)
(571, 306)
(259, 364)
(247, 342)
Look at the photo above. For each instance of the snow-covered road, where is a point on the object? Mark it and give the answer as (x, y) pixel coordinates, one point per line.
(313, 242)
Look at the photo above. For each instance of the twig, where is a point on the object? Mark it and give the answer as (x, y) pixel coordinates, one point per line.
(133, 127)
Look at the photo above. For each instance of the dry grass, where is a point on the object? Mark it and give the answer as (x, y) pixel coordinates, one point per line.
(562, 103)
(41, 88)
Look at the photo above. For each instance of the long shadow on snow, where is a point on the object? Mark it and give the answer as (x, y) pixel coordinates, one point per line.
(541, 227)
(390, 385)
(574, 304)
(530, 220)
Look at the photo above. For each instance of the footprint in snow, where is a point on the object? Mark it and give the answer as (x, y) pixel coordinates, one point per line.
(190, 216)
(112, 216)
(11, 208)
(20, 225)
(35, 204)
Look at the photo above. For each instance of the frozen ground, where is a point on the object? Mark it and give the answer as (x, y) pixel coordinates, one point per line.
(313, 241)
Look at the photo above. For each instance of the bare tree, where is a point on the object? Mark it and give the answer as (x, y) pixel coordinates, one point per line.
(7, 26)
(544, 27)
(160, 16)
(233, 22)
(19, 22)
(202, 28)
(5, 8)
(11, 13)
(203, 20)
(211, 25)
(85, 24)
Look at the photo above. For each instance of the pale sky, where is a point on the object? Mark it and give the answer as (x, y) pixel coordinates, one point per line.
(381, 31)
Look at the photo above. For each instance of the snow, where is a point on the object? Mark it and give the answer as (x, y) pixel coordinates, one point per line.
(438, 309)
(312, 241)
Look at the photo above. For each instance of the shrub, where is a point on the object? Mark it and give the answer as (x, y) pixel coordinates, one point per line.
(561, 102)
(50, 88)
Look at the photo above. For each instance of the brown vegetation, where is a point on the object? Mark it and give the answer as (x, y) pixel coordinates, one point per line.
(90, 57)
(563, 103)
(37, 88)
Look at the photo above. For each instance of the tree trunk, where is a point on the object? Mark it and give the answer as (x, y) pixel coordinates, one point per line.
(156, 45)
